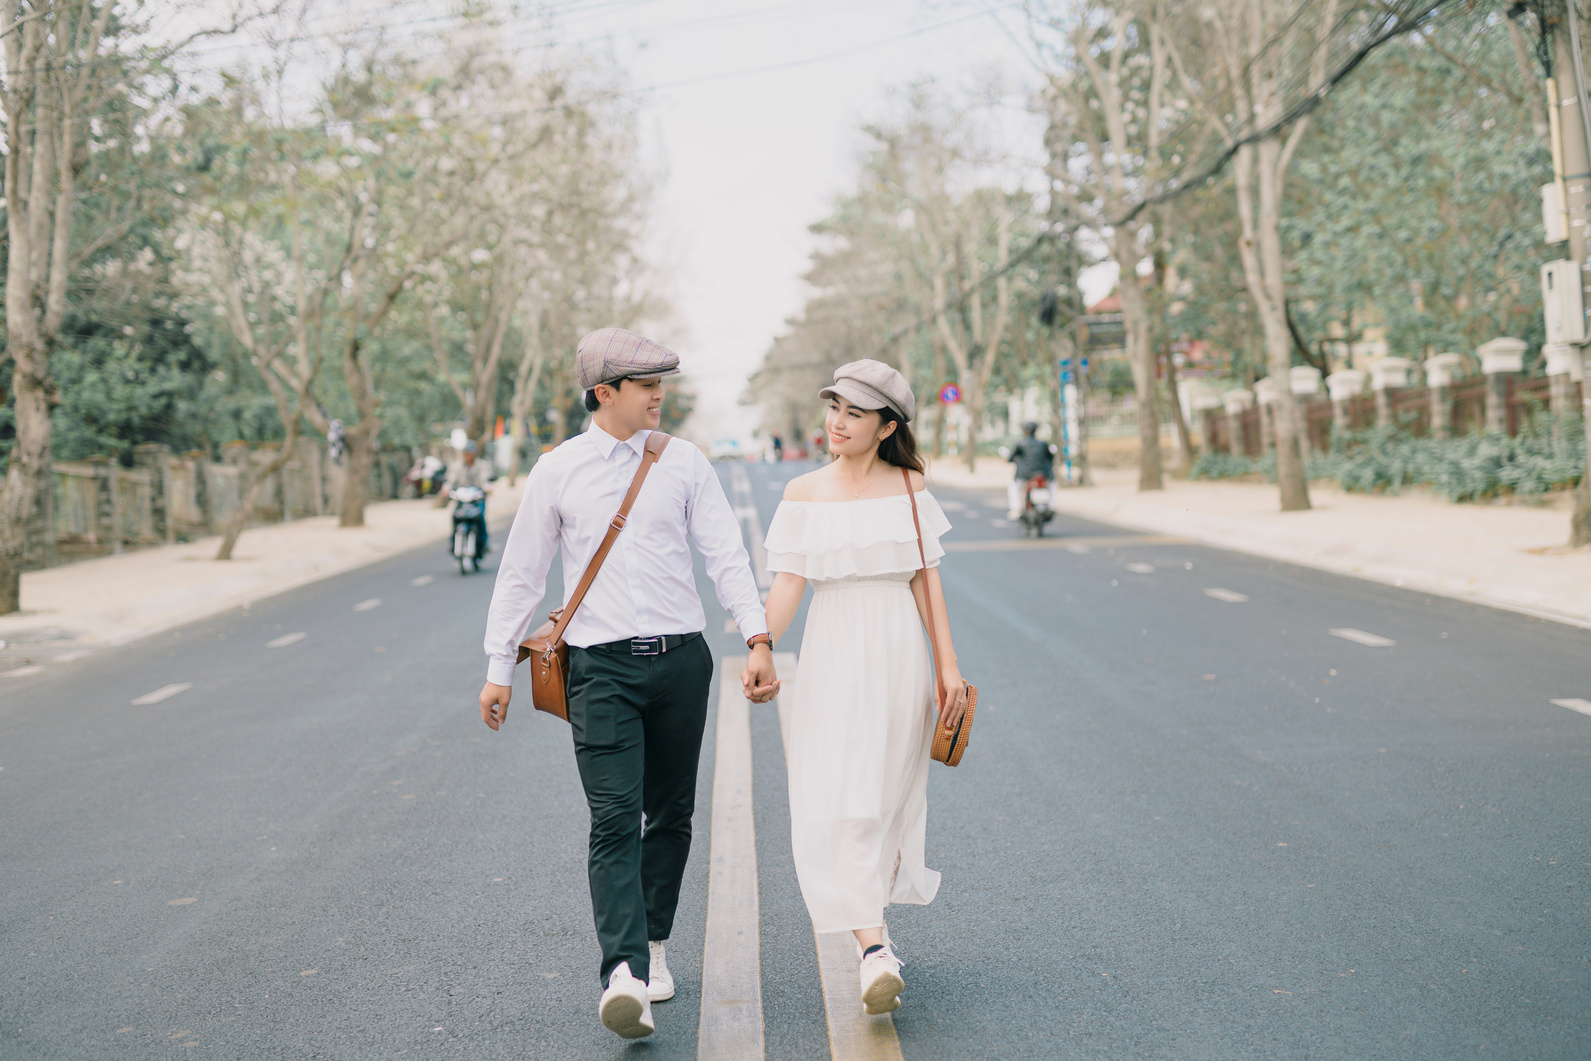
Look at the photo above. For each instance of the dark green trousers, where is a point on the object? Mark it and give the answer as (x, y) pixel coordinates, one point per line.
(637, 723)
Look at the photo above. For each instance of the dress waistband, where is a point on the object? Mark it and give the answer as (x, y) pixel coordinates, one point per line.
(858, 583)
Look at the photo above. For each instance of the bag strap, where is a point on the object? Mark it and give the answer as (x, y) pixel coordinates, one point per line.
(928, 598)
(655, 444)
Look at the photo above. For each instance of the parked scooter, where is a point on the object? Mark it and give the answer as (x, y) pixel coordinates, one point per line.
(469, 502)
(1036, 510)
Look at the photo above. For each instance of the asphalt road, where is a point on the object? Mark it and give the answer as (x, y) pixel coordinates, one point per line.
(1188, 826)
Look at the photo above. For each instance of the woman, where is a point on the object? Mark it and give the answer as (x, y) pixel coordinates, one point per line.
(866, 699)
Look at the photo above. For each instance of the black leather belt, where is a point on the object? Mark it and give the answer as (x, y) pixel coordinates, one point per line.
(647, 646)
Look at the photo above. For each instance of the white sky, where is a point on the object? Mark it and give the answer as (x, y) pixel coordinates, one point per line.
(760, 138)
(752, 159)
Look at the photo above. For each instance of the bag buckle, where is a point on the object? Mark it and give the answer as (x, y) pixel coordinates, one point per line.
(646, 646)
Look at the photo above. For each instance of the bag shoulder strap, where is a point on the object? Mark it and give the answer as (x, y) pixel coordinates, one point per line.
(656, 442)
(928, 598)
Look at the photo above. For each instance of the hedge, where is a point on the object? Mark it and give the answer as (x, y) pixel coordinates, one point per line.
(1471, 468)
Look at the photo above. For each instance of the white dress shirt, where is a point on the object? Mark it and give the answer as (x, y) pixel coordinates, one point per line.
(647, 585)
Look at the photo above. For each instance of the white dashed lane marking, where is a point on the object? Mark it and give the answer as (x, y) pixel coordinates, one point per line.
(165, 692)
(1360, 637)
(366, 605)
(22, 672)
(1575, 704)
(423, 580)
(1141, 569)
(287, 639)
(1228, 595)
(67, 657)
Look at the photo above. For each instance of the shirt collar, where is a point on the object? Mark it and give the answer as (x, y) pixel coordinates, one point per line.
(605, 442)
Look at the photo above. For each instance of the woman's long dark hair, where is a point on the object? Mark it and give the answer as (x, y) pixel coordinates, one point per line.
(900, 448)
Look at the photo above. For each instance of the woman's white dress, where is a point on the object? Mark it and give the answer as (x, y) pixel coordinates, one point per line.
(862, 724)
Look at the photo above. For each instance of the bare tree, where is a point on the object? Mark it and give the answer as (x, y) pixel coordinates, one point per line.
(273, 302)
(1107, 96)
(973, 337)
(64, 60)
(404, 181)
(1261, 46)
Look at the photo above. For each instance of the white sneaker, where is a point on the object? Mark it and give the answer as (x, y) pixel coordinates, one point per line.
(660, 988)
(889, 945)
(881, 982)
(625, 1009)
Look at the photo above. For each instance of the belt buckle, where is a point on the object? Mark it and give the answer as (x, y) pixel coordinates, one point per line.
(646, 646)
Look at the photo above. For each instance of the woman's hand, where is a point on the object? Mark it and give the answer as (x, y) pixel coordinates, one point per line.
(758, 680)
(953, 706)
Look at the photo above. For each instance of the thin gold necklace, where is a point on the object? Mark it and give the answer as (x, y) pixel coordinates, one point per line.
(871, 475)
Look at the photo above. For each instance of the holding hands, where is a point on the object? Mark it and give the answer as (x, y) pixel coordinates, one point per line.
(758, 680)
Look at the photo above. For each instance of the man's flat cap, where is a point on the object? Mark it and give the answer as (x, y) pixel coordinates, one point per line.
(873, 385)
(608, 354)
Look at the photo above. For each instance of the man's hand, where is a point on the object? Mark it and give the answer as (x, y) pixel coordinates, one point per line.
(494, 704)
(758, 680)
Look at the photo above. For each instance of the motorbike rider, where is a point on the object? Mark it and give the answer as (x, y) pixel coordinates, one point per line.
(467, 471)
(1031, 457)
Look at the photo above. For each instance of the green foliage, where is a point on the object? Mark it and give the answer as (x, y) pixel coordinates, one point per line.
(1117, 377)
(1545, 456)
(119, 389)
(1413, 203)
(1228, 466)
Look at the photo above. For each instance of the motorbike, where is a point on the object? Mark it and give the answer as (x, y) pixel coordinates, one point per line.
(469, 502)
(1036, 510)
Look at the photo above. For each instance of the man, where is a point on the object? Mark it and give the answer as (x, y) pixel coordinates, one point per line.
(468, 472)
(1031, 458)
(639, 669)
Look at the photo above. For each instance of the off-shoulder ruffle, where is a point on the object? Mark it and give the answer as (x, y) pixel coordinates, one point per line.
(827, 540)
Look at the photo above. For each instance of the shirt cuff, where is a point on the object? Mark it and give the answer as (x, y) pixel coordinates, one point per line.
(500, 670)
(753, 623)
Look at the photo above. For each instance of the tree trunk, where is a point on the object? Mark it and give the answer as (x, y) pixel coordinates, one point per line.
(240, 519)
(33, 389)
(1141, 354)
(1290, 475)
(1184, 440)
(520, 405)
(1580, 521)
(973, 397)
(360, 441)
(940, 408)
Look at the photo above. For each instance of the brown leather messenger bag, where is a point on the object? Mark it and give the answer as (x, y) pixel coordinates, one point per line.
(546, 646)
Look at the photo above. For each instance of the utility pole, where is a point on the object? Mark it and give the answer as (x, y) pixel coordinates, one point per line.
(1570, 117)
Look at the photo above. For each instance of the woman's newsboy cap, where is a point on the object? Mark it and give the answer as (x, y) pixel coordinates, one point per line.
(871, 384)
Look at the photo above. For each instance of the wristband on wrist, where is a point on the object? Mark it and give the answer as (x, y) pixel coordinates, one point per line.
(759, 639)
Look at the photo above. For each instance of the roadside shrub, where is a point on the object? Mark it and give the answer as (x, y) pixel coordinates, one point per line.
(1227, 466)
(1472, 468)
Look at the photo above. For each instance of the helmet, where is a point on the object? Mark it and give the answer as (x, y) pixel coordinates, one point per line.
(1031, 427)
(469, 447)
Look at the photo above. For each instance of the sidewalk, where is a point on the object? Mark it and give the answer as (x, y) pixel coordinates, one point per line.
(116, 599)
(1501, 555)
